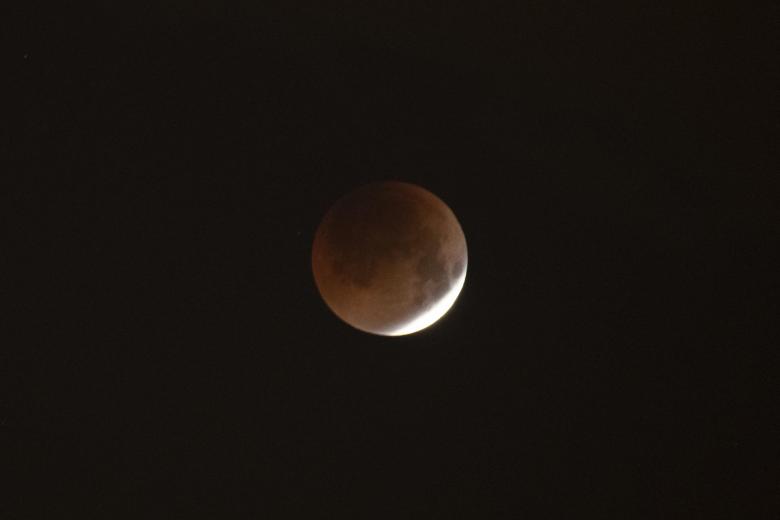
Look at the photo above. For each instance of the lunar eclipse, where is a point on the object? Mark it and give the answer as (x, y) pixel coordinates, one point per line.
(389, 258)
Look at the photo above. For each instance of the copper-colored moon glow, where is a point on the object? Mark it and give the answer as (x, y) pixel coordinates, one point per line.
(389, 258)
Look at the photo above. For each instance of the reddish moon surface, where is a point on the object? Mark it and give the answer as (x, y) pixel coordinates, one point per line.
(389, 258)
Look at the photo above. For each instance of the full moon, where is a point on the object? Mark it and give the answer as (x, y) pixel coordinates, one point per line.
(389, 258)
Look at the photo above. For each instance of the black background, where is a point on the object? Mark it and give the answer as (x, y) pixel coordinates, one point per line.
(170, 356)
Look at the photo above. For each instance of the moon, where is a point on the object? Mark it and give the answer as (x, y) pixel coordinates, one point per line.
(389, 258)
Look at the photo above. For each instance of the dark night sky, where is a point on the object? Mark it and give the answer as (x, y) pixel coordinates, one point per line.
(608, 357)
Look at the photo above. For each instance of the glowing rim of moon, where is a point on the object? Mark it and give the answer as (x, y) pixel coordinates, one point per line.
(434, 313)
